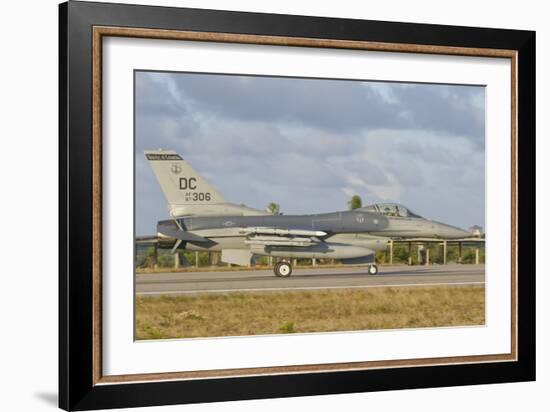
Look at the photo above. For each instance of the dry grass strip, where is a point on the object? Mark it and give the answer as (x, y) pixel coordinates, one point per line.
(260, 313)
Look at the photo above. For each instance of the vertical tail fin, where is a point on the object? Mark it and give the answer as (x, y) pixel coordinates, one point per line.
(181, 184)
(188, 193)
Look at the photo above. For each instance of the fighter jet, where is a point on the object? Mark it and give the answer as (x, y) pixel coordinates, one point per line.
(202, 220)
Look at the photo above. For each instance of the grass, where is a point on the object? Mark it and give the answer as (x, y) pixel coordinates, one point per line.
(260, 313)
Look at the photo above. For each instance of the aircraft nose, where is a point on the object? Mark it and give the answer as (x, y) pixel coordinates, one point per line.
(452, 232)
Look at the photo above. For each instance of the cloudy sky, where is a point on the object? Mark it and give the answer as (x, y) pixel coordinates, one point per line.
(310, 144)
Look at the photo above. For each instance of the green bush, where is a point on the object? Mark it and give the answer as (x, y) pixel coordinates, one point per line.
(287, 327)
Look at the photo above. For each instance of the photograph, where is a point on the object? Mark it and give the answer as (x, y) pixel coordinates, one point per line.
(256, 205)
(269, 205)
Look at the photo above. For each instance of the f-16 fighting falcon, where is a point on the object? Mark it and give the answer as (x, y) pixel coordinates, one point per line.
(202, 220)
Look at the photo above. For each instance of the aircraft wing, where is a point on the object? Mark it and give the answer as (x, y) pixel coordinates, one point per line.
(270, 236)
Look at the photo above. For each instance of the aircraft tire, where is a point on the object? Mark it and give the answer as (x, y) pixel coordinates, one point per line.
(373, 270)
(283, 269)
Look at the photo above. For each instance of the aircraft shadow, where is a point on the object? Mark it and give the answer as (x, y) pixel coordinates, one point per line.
(294, 276)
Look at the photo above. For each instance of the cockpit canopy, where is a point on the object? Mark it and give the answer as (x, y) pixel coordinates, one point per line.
(390, 209)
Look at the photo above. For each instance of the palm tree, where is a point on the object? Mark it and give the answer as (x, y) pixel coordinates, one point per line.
(273, 208)
(355, 202)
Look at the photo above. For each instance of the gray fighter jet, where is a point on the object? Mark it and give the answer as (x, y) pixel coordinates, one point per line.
(202, 220)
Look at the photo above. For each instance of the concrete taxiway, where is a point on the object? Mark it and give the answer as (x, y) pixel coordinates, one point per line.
(304, 279)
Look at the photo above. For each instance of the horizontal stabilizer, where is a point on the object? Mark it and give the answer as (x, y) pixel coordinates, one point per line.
(172, 230)
(147, 240)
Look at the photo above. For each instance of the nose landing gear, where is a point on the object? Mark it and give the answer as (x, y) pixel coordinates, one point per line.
(372, 270)
(283, 269)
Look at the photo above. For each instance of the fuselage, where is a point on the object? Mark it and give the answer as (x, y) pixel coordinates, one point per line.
(356, 229)
(333, 223)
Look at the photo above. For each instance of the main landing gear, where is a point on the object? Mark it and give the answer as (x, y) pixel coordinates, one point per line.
(283, 269)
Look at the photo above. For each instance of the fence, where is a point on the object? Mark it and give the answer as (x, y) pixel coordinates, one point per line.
(410, 252)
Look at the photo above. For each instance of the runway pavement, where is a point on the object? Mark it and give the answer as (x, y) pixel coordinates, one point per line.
(303, 279)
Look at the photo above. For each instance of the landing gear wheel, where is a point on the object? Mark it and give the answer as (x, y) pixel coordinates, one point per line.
(283, 269)
(373, 270)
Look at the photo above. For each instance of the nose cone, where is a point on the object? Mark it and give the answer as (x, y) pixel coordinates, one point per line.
(451, 232)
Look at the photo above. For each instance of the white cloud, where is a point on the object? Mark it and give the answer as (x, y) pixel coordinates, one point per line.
(416, 144)
(386, 91)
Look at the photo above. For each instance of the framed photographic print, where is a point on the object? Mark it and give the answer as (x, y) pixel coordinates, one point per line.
(258, 205)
